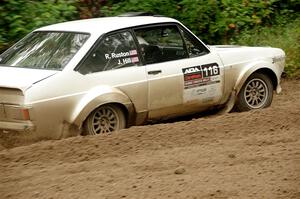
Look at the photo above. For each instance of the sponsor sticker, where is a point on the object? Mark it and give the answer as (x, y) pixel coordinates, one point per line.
(134, 59)
(202, 82)
(278, 59)
(132, 52)
(196, 76)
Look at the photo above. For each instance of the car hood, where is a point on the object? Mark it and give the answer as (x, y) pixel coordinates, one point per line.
(22, 78)
(231, 54)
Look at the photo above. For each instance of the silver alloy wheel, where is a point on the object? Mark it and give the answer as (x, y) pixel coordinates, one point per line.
(104, 120)
(256, 93)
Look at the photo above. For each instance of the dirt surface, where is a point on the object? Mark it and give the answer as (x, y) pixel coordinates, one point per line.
(237, 155)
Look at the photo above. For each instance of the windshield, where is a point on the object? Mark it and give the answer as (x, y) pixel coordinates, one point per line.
(44, 50)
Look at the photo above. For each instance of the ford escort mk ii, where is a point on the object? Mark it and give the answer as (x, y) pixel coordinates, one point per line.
(102, 75)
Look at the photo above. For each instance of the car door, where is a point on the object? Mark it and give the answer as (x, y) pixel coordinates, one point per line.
(179, 72)
(114, 62)
(203, 75)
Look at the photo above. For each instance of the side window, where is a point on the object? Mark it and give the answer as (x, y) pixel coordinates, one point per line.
(114, 51)
(193, 46)
(160, 44)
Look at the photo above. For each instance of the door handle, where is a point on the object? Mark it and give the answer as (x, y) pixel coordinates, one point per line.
(154, 72)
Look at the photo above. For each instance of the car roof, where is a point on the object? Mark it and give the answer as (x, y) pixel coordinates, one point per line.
(105, 24)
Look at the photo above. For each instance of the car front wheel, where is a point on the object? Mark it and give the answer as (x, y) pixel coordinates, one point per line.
(256, 93)
(105, 119)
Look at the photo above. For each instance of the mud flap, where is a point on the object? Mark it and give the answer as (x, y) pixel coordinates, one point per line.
(69, 130)
(229, 104)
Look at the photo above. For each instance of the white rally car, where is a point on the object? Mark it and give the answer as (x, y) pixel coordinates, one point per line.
(105, 74)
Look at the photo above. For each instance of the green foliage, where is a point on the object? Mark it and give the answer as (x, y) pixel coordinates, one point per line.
(286, 37)
(19, 17)
(162, 7)
(214, 21)
(90, 8)
(196, 14)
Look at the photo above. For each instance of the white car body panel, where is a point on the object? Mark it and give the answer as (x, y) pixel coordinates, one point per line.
(249, 59)
(25, 77)
(57, 100)
(167, 95)
(99, 26)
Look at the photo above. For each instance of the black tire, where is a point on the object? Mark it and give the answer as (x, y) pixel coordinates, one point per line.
(105, 119)
(256, 93)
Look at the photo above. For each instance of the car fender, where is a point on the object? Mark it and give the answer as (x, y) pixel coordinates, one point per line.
(96, 97)
(250, 69)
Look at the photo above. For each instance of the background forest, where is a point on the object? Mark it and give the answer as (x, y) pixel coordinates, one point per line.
(244, 22)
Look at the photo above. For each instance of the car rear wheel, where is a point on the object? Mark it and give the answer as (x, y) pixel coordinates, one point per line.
(256, 93)
(105, 119)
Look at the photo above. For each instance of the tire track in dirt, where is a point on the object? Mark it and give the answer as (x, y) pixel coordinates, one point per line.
(238, 155)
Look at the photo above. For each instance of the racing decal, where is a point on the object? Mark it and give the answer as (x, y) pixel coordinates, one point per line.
(202, 82)
(200, 75)
(124, 57)
(278, 59)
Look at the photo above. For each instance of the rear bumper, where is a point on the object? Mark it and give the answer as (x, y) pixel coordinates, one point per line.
(17, 126)
(15, 118)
